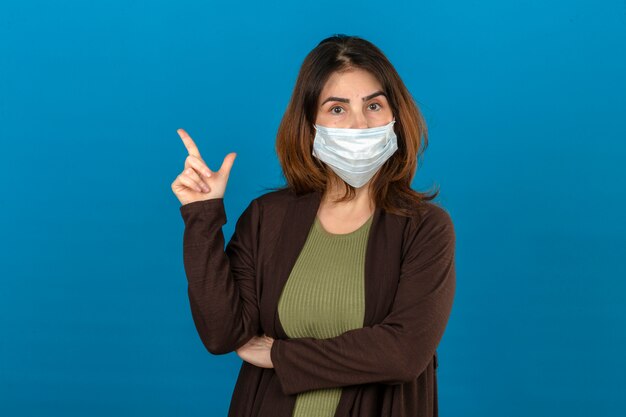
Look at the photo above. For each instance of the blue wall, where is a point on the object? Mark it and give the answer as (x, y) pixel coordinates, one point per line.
(526, 105)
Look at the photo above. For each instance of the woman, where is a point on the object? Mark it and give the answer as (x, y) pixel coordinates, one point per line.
(335, 289)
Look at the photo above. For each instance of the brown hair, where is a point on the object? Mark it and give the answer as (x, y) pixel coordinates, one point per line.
(391, 186)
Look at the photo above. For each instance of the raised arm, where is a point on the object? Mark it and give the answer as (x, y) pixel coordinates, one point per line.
(400, 347)
(221, 281)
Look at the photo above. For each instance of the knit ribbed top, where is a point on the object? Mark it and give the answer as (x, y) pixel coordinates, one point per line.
(324, 297)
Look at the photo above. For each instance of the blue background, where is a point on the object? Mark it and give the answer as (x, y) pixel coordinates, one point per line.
(525, 102)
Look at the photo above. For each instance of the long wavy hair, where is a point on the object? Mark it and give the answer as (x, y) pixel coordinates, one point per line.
(390, 188)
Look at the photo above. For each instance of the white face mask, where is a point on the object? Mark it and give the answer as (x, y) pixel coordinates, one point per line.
(355, 155)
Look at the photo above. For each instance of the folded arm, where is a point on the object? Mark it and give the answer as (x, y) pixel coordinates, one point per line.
(400, 347)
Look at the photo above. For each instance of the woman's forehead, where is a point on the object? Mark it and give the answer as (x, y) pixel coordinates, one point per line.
(351, 83)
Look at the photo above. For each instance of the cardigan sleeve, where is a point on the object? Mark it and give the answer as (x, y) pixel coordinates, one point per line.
(221, 281)
(399, 348)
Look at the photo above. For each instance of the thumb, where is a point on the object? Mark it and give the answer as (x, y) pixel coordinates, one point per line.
(227, 164)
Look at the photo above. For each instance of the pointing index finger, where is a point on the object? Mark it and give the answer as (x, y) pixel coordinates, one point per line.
(189, 143)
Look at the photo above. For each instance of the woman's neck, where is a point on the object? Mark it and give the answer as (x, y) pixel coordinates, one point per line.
(361, 201)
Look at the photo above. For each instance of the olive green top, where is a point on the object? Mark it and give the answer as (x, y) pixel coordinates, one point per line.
(324, 297)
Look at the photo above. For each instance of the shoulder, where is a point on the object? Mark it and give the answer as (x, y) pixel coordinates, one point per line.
(276, 197)
(274, 202)
(269, 207)
(433, 227)
(433, 214)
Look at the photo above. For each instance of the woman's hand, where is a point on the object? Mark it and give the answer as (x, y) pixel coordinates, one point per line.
(197, 182)
(257, 351)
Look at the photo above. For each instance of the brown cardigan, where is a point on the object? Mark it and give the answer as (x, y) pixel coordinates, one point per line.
(387, 368)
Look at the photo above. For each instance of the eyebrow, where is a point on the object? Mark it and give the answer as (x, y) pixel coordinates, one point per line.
(346, 100)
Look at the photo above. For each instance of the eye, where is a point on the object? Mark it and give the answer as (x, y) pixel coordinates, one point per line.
(374, 106)
(336, 110)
